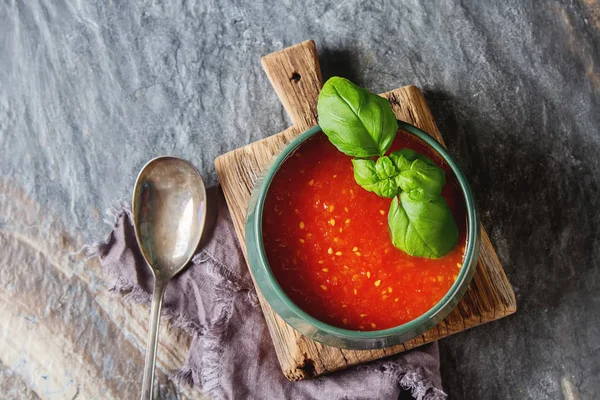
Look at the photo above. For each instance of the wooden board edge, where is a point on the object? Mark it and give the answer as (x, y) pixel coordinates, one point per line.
(296, 370)
(300, 366)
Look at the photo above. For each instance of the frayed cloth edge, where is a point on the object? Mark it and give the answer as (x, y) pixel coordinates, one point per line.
(412, 379)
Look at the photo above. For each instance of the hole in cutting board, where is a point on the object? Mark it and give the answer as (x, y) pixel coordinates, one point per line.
(308, 367)
(295, 77)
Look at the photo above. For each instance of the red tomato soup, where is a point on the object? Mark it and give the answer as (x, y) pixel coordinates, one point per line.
(328, 244)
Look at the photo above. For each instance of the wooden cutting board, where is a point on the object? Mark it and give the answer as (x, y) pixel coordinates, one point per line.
(295, 75)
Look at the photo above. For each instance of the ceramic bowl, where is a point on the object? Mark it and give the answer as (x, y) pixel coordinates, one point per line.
(332, 335)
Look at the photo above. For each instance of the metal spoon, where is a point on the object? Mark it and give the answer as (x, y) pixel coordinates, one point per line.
(169, 214)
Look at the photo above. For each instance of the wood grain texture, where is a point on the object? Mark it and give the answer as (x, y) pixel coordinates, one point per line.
(295, 75)
(489, 296)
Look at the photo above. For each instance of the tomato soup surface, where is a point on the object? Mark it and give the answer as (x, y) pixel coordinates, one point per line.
(328, 244)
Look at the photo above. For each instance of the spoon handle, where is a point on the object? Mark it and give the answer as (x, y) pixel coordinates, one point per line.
(157, 297)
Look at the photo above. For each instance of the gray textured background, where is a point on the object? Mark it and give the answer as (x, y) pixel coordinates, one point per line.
(89, 92)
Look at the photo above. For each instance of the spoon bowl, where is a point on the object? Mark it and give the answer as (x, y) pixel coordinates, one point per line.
(169, 214)
(169, 211)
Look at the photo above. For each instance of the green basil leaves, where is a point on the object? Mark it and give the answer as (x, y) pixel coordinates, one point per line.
(378, 177)
(420, 221)
(361, 124)
(422, 227)
(388, 175)
(357, 122)
(423, 176)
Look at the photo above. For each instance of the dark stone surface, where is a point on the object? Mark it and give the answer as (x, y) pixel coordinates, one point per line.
(89, 92)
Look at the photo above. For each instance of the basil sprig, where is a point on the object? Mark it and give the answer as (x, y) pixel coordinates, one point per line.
(361, 124)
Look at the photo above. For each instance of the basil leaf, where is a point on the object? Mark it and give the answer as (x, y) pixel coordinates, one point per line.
(421, 175)
(377, 177)
(410, 155)
(400, 161)
(357, 122)
(386, 188)
(422, 226)
(385, 168)
(365, 172)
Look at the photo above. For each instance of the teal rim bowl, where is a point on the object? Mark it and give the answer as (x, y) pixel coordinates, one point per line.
(329, 334)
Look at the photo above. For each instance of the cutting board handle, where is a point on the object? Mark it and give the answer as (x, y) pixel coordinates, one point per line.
(295, 74)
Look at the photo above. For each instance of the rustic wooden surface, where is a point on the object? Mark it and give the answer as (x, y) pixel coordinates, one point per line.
(295, 75)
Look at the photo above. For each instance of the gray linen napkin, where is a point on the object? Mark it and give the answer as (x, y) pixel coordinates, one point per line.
(232, 356)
